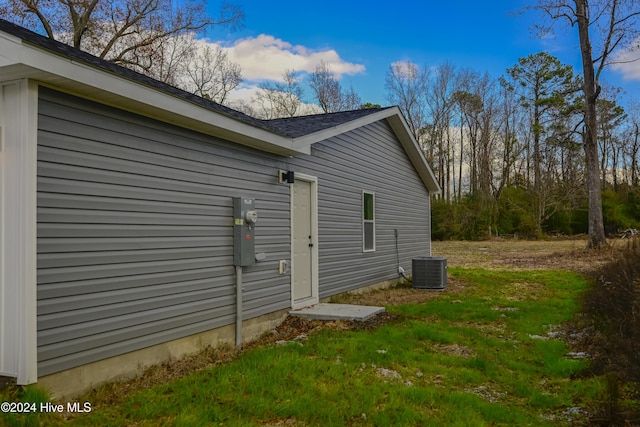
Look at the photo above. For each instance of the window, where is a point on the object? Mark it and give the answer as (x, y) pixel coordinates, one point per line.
(368, 222)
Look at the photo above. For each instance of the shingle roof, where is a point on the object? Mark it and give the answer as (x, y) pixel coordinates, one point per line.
(79, 71)
(291, 127)
(303, 125)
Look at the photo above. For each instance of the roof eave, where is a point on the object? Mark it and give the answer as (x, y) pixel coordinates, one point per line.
(416, 156)
(20, 59)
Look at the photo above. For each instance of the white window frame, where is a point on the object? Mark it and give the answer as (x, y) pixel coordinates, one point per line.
(368, 221)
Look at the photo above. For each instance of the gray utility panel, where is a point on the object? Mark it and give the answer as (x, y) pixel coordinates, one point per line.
(244, 222)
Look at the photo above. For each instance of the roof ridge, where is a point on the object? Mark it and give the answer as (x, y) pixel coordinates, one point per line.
(364, 110)
(298, 126)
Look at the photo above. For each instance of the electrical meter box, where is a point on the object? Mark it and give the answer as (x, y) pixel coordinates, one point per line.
(244, 222)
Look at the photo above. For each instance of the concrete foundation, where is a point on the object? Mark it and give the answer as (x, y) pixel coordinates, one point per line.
(73, 382)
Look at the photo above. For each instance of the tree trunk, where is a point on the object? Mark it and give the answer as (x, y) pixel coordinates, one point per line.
(591, 92)
(449, 159)
(634, 156)
(461, 159)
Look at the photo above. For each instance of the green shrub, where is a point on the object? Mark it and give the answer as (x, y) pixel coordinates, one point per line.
(559, 222)
(464, 220)
(620, 209)
(514, 213)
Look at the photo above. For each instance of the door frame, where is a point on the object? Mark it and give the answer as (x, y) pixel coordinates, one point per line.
(314, 299)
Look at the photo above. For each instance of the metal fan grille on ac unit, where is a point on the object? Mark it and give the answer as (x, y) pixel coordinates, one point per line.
(429, 272)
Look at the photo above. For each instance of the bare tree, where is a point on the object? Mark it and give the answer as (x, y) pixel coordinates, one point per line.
(512, 119)
(610, 118)
(174, 53)
(279, 99)
(610, 25)
(487, 141)
(329, 93)
(439, 102)
(632, 145)
(128, 32)
(211, 74)
(350, 100)
(326, 88)
(406, 88)
(470, 106)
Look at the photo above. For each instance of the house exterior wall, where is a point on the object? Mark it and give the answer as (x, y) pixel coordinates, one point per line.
(135, 232)
(366, 159)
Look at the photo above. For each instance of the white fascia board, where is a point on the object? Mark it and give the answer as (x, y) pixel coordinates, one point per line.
(18, 58)
(419, 161)
(10, 48)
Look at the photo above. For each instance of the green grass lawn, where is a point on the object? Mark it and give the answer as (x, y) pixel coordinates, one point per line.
(487, 356)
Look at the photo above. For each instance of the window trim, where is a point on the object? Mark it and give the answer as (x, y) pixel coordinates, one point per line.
(368, 221)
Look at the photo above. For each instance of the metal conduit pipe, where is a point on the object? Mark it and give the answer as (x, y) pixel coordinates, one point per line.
(400, 269)
(238, 305)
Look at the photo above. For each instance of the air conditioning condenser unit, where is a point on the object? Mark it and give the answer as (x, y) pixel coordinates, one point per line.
(429, 272)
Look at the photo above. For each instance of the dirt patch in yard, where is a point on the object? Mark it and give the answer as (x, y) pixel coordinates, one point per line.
(495, 255)
(295, 328)
(526, 255)
(398, 295)
(454, 350)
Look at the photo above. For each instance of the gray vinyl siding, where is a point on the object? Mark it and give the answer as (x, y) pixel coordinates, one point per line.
(369, 158)
(135, 232)
(135, 226)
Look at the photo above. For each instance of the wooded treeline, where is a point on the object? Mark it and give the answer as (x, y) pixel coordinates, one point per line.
(535, 151)
(508, 152)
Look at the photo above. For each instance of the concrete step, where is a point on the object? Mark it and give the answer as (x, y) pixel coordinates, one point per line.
(327, 311)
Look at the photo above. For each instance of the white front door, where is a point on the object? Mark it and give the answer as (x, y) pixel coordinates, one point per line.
(304, 247)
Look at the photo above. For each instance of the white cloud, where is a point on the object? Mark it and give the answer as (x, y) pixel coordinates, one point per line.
(244, 93)
(404, 66)
(407, 70)
(266, 58)
(627, 61)
(630, 71)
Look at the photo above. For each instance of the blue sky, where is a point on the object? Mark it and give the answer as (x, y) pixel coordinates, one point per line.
(362, 39)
